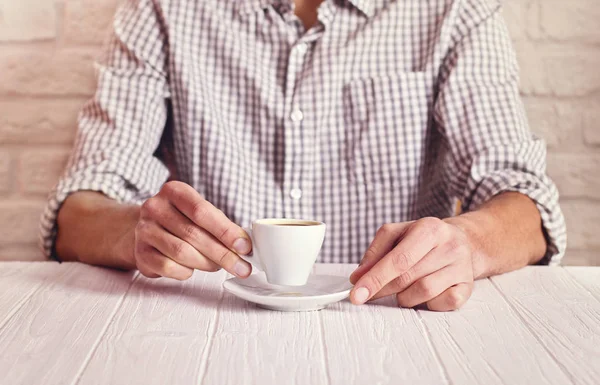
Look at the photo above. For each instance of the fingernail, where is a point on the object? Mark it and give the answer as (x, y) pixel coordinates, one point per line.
(241, 246)
(361, 294)
(241, 269)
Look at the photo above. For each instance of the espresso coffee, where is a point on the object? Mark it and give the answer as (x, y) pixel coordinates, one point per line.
(285, 255)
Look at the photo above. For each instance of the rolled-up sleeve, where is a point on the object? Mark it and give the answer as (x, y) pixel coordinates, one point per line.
(120, 129)
(480, 113)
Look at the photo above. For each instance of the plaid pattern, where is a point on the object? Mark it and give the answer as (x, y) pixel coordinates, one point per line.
(385, 111)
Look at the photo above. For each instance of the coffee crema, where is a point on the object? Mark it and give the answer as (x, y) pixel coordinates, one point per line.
(294, 224)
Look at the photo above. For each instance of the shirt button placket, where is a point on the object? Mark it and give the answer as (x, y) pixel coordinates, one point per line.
(293, 133)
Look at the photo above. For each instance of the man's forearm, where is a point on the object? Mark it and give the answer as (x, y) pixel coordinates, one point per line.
(507, 232)
(96, 230)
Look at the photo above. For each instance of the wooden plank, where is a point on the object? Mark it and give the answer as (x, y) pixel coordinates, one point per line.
(48, 340)
(18, 282)
(377, 343)
(256, 346)
(564, 317)
(588, 277)
(486, 342)
(161, 333)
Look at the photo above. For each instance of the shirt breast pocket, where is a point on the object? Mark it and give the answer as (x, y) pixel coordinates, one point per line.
(385, 120)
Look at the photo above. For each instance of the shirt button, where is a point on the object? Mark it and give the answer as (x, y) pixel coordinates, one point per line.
(296, 193)
(297, 115)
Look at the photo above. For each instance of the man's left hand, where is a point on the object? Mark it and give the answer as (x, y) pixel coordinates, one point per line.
(428, 261)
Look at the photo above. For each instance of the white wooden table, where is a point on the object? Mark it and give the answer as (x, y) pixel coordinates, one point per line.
(76, 324)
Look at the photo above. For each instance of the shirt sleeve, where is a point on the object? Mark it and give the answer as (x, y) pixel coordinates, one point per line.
(479, 111)
(120, 129)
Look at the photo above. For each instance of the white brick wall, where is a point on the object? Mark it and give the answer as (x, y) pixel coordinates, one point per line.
(47, 48)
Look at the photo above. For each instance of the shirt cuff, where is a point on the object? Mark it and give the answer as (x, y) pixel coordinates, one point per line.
(111, 185)
(542, 192)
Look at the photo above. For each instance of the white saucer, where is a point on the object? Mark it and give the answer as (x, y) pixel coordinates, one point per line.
(319, 291)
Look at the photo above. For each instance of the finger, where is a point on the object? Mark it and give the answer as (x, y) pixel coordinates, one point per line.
(431, 286)
(147, 273)
(169, 217)
(151, 261)
(209, 246)
(451, 299)
(436, 259)
(189, 202)
(385, 239)
(419, 240)
(183, 228)
(175, 248)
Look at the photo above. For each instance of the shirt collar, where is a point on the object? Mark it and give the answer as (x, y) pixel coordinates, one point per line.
(367, 7)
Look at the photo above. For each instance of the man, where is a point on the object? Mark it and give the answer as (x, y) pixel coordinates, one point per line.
(374, 116)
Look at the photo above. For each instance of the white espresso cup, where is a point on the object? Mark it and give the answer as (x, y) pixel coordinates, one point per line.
(285, 249)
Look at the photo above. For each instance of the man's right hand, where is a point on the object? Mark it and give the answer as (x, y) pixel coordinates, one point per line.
(179, 231)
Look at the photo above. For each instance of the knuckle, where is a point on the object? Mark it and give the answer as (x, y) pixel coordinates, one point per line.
(150, 207)
(401, 261)
(385, 230)
(169, 268)
(375, 283)
(200, 210)
(145, 272)
(224, 257)
(454, 299)
(185, 274)
(425, 288)
(170, 188)
(403, 281)
(371, 253)
(226, 231)
(179, 250)
(190, 232)
(402, 301)
(140, 251)
(432, 226)
(143, 229)
(455, 246)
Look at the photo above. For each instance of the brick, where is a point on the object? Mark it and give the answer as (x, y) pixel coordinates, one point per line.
(574, 20)
(559, 123)
(22, 252)
(582, 258)
(576, 175)
(40, 169)
(19, 220)
(583, 224)
(44, 72)
(591, 125)
(6, 170)
(26, 20)
(592, 136)
(39, 121)
(558, 70)
(88, 21)
(515, 13)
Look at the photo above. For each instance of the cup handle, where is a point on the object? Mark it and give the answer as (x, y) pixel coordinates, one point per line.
(253, 259)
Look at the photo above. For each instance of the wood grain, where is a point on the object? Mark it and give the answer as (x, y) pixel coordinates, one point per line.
(564, 318)
(161, 334)
(377, 343)
(18, 281)
(478, 343)
(256, 346)
(76, 324)
(48, 340)
(588, 277)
